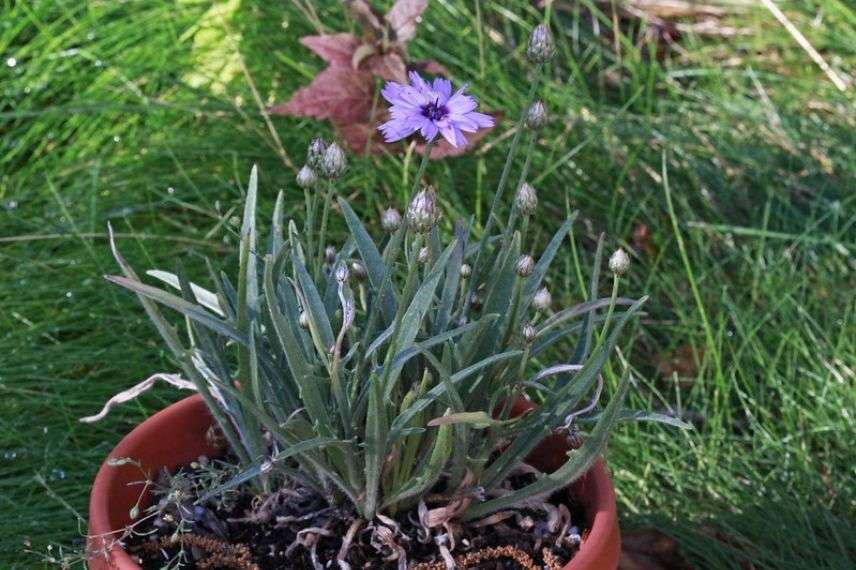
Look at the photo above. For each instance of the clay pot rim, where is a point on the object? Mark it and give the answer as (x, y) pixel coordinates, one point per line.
(598, 499)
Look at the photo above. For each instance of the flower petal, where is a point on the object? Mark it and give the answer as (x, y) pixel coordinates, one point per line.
(443, 87)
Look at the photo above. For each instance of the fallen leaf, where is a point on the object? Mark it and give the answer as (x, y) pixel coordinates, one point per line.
(643, 240)
(684, 362)
(650, 549)
(335, 49)
(430, 67)
(404, 18)
(388, 66)
(745, 563)
(357, 135)
(371, 19)
(341, 94)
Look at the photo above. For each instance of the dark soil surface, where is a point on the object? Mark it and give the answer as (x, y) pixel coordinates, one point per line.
(297, 527)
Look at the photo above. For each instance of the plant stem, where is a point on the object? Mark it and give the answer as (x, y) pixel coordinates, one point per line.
(506, 169)
(328, 196)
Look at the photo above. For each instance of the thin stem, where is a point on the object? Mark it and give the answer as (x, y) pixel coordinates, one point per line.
(328, 196)
(506, 169)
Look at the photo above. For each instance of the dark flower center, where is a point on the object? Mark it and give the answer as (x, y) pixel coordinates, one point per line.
(434, 111)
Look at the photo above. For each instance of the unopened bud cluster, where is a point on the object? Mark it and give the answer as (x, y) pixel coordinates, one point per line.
(541, 47)
(536, 116)
(526, 199)
(321, 159)
(619, 262)
(525, 265)
(543, 300)
(423, 213)
(390, 220)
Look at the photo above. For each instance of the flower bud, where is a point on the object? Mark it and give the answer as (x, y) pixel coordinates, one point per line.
(330, 254)
(341, 273)
(423, 256)
(422, 213)
(306, 178)
(466, 270)
(526, 199)
(315, 153)
(475, 301)
(390, 220)
(303, 319)
(536, 116)
(574, 437)
(529, 333)
(619, 262)
(525, 265)
(359, 271)
(334, 163)
(541, 48)
(542, 300)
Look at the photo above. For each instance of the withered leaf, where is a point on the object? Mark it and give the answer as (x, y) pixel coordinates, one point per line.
(388, 66)
(341, 94)
(643, 240)
(335, 49)
(650, 549)
(404, 18)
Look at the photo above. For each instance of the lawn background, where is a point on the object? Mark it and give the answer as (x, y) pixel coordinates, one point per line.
(737, 153)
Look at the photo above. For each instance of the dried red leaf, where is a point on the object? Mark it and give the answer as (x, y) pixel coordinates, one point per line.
(430, 67)
(404, 18)
(341, 94)
(371, 19)
(650, 549)
(643, 240)
(357, 135)
(335, 49)
(681, 361)
(389, 66)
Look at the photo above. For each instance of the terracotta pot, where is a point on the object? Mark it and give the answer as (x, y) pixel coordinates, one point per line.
(175, 436)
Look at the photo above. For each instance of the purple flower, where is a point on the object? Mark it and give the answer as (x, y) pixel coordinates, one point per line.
(431, 108)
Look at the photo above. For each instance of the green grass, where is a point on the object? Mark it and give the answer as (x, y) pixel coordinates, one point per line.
(103, 117)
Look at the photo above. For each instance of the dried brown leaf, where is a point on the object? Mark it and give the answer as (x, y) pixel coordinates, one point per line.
(341, 94)
(389, 66)
(650, 549)
(643, 240)
(335, 49)
(404, 18)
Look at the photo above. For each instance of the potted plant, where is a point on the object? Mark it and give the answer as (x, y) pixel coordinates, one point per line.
(377, 404)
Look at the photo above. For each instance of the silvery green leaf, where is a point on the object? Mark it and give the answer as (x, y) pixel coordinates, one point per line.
(203, 296)
(371, 258)
(643, 416)
(577, 464)
(319, 321)
(534, 281)
(188, 309)
(411, 322)
(584, 344)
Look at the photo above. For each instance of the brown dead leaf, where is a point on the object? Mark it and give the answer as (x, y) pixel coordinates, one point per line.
(684, 362)
(734, 543)
(341, 94)
(388, 66)
(335, 49)
(643, 240)
(404, 18)
(650, 549)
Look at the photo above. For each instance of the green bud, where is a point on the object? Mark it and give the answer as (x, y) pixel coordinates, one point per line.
(541, 48)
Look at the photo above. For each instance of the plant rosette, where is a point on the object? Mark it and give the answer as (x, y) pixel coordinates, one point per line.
(179, 434)
(370, 379)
